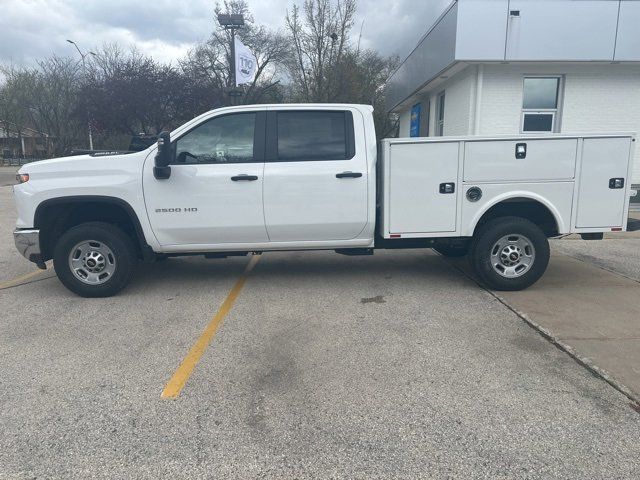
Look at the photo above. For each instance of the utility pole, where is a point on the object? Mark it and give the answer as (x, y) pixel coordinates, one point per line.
(232, 22)
(84, 71)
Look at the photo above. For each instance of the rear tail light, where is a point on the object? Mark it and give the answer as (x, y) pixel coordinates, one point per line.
(22, 177)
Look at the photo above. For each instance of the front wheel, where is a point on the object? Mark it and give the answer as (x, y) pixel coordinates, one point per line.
(509, 253)
(94, 259)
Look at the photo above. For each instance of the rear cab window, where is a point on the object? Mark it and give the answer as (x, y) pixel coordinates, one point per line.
(310, 135)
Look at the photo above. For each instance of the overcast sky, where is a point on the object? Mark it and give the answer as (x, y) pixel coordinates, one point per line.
(166, 29)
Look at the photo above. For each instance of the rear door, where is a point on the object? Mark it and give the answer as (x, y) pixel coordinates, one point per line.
(315, 177)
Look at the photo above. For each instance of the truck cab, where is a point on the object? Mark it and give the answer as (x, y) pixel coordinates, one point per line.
(307, 176)
(266, 178)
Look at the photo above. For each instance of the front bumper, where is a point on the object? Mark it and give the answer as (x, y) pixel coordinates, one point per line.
(28, 244)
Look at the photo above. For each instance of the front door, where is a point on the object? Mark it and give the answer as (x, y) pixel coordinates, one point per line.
(214, 193)
(315, 181)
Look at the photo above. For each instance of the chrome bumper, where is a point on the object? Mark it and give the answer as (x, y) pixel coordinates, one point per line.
(28, 244)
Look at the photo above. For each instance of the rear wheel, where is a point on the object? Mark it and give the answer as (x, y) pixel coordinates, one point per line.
(94, 259)
(509, 253)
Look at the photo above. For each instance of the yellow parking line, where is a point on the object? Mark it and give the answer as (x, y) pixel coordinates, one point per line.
(18, 280)
(175, 385)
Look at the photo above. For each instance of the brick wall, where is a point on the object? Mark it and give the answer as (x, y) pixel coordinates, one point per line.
(459, 91)
(598, 98)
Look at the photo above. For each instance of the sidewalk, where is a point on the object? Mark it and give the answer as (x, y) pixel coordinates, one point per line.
(635, 215)
(595, 312)
(590, 312)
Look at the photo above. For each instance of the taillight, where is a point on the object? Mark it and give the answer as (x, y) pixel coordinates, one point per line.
(22, 177)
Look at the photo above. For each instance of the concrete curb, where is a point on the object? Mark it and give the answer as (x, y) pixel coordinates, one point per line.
(581, 360)
(585, 362)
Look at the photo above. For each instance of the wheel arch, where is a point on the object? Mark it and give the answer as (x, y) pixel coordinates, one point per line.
(528, 205)
(54, 216)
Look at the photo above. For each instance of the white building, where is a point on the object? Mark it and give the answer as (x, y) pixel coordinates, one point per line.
(490, 67)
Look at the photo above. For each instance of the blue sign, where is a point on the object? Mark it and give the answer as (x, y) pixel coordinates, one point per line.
(414, 129)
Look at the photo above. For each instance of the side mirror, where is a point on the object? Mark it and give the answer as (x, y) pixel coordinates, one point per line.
(162, 170)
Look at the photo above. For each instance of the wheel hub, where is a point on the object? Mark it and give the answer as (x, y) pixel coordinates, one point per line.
(512, 256)
(92, 262)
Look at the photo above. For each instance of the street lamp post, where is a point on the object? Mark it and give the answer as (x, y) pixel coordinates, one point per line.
(84, 70)
(232, 22)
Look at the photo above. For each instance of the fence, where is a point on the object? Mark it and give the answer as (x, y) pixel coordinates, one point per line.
(16, 162)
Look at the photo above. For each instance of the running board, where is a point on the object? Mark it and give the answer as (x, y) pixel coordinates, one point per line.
(354, 251)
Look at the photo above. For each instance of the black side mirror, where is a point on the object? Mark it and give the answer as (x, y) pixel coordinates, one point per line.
(162, 170)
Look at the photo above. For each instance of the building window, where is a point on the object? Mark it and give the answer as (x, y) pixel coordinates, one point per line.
(424, 118)
(540, 99)
(440, 115)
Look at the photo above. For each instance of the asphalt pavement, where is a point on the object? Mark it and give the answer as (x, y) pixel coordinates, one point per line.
(326, 366)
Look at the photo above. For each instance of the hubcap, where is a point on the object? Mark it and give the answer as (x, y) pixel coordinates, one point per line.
(92, 262)
(512, 256)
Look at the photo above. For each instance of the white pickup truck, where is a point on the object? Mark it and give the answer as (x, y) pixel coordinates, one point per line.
(292, 177)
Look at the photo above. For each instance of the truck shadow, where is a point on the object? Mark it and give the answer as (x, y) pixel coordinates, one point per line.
(421, 264)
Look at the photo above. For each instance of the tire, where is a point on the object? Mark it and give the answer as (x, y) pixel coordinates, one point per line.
(509, 253)
(100, 253)
(452, 251)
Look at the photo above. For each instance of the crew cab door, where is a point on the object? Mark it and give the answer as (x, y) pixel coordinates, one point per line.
(214, 193)
(315, 179)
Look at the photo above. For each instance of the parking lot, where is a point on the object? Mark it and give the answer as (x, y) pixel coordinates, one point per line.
(324, 366)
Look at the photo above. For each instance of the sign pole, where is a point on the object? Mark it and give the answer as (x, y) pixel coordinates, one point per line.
(233, 65)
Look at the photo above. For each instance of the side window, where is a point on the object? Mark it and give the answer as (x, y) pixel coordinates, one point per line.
(314, 135)
(224, 139)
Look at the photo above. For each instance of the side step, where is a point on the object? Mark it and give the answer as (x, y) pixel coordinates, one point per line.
(211, 256)
(354, 251)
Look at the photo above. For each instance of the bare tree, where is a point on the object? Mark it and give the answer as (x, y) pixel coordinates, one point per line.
(132, 93)
(15, 99)
(320, 38)
(209, 64)
(45, 99)
(326, 65)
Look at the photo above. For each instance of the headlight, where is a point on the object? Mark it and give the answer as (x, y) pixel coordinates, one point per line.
(22, 177)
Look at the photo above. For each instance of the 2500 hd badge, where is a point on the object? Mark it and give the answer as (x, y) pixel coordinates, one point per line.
(176, 210)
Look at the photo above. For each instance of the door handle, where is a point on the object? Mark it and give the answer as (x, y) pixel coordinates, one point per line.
(244, 177)
(348, 175)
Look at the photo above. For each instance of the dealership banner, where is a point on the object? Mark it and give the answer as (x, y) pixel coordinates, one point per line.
(246, 63)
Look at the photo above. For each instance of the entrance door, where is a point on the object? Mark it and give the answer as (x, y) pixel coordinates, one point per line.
(315, 181)
(214, 193)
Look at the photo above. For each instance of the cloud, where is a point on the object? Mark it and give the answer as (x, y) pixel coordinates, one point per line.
(394, 27)
(166, 29)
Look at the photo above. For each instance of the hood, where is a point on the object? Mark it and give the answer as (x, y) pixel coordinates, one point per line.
(93, 164)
